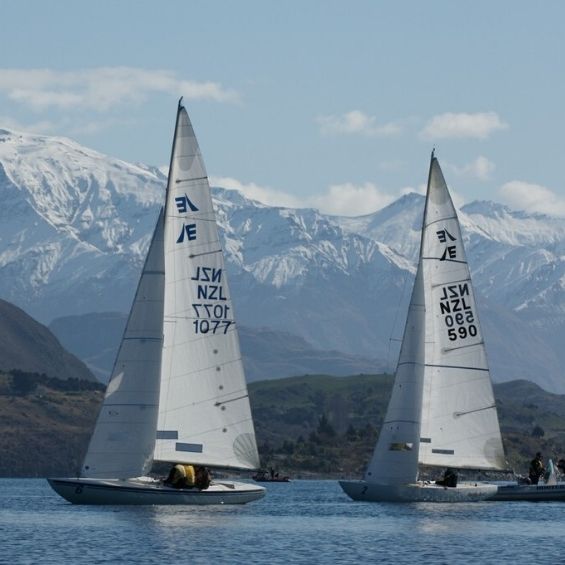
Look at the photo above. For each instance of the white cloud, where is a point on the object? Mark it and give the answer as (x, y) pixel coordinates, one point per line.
(71, 126)
(345, 199)
(356, 122)
(102, 88)
(450, 125)
(43, 126)
(532, 198)
(351, 200)
(481, 168)
(266, 195)
(420, 189)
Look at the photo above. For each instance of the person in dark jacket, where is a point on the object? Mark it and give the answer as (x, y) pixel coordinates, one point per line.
(203, 478)
(537, 469)
(449, 478)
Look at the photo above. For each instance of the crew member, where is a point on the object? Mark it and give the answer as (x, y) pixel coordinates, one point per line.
(537, 469)
(181, 476)
(202, 478)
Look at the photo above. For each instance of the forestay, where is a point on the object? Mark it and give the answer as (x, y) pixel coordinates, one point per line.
(459, 420)
(204, 413)
(122, 443)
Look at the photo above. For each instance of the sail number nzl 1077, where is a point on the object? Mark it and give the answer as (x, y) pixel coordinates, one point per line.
(211, 312)
(455, 308)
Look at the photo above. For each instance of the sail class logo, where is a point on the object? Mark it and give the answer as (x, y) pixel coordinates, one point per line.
(188, 230)
(184, 204)
(450, 251)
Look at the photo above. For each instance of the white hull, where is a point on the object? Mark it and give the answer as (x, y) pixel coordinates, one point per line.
(418, 492)
(142, 492)
(534, 493)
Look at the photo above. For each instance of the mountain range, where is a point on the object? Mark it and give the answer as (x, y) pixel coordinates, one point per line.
(75, 225)
(267, 354)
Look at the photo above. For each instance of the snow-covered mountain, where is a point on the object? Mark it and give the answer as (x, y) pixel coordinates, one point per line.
(75, 225)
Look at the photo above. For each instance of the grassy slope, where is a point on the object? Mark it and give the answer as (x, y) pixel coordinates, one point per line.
(312, 425)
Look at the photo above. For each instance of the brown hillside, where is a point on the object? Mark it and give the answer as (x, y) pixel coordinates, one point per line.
(29, 346)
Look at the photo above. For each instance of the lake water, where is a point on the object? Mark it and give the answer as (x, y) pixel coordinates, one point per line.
(297, 522)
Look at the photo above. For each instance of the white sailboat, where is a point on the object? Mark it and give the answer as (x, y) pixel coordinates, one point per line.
(177, 392)
(442, 411)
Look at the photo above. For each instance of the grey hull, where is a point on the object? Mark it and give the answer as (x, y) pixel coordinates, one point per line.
(533, 493)
(418, 492)
(135, 492)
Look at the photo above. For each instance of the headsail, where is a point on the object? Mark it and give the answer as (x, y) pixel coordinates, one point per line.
(459, 420)
(122, 443)
(395, 459)
(204, 413)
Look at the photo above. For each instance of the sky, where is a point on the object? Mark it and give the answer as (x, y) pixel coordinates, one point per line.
(328, 104)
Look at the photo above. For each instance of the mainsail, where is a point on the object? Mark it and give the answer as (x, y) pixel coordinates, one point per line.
(442, 410)
(459, 420)
(122, 443)
(204, 412)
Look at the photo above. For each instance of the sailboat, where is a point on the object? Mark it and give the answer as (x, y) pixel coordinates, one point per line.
(549, 489)
(442, 411)
(177, 393)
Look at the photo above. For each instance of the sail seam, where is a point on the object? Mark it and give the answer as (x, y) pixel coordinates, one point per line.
(444, 261)
(204, 401)
(190, 180)
(443, 366)
(183, 375)
(468, 279)
(193, 255)
(231, 400)
(463, 346)
(440, 220)
(457, 414)
(226, 424)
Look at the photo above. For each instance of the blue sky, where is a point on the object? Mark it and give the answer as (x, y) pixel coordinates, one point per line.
(335, 105)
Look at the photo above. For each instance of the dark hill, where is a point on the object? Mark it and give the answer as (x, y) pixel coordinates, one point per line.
(29, 346)
(306, 426)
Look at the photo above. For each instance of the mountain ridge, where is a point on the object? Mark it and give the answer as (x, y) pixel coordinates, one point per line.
(77, 223)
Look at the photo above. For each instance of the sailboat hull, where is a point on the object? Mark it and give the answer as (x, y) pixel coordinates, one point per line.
(418, 492)
(143, 492)
(533, 493)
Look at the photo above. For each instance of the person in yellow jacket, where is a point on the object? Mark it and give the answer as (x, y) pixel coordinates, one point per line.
(181, 476)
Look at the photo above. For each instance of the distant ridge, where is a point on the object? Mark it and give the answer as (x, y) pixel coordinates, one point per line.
(29, 346)
(267, 353)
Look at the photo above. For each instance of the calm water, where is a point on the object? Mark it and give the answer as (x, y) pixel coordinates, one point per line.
(300, 522)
